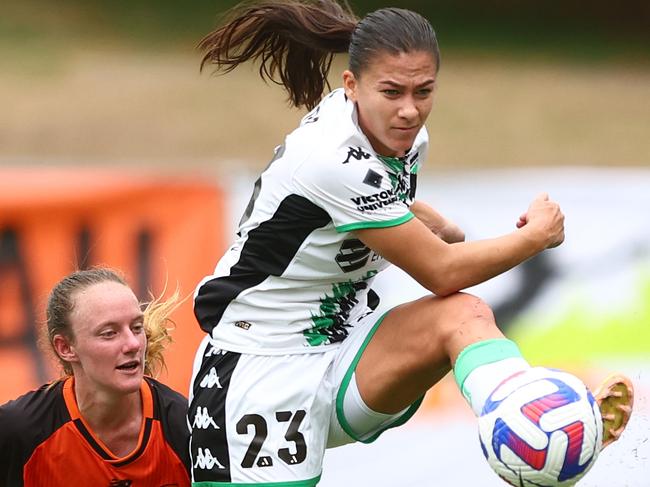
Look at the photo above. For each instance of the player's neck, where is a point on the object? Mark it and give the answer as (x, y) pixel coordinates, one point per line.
(103, 409)
(115, 419)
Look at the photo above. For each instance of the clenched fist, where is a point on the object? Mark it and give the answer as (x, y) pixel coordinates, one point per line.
(544, 222)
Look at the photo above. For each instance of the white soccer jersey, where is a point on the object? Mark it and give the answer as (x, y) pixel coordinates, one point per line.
(297, 278)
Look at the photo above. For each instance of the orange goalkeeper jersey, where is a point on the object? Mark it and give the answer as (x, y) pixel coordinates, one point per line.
(45, 442)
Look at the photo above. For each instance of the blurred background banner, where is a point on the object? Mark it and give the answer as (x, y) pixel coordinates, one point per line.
(161, 233)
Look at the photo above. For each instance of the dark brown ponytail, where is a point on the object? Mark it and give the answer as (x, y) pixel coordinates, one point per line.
(294, 40)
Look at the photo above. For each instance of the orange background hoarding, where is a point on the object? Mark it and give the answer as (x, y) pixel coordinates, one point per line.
(155, 229)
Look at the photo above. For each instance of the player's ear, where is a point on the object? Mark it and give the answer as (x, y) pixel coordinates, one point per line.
(64, 348)
(350, 84)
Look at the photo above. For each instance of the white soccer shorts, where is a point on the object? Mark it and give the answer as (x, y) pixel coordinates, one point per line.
(266, 420)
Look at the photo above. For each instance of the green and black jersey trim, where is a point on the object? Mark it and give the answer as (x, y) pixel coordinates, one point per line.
(344, 387)
(380, 224)
(296, 483)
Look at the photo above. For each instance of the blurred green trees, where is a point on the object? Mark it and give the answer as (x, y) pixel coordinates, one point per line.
(595, 29)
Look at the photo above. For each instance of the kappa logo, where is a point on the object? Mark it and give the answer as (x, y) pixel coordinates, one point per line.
(356, 153)
(210, 380)
(215, 351)
(312, 116)
(202, 420)
(205, 460)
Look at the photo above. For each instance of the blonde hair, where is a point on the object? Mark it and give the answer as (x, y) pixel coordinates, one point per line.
(157, 315)
(157, 325)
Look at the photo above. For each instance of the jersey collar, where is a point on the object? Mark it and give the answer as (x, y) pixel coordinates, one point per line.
(95, 443)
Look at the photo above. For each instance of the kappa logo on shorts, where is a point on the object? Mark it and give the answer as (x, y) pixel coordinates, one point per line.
(205, 460)
(211, 379)
(202, 420)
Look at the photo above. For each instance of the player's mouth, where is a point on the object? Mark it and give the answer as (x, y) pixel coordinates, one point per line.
(129, 366)
(407, 130)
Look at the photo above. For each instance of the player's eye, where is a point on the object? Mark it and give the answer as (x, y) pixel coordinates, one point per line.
(107, 334)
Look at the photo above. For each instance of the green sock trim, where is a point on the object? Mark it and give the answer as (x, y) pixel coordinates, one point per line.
(482, 353)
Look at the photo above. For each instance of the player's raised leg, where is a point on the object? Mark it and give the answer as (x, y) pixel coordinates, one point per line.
(417, 344)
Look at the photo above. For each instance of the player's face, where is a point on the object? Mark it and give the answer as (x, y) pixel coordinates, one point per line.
(109, 338)
(394, 96)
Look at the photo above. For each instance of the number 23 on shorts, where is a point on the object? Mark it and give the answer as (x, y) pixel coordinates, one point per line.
(252, 430)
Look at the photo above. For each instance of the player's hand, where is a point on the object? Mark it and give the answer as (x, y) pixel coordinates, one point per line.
(544, 221)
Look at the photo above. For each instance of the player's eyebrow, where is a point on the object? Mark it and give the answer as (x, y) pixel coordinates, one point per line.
(136, 319)
(395, 84)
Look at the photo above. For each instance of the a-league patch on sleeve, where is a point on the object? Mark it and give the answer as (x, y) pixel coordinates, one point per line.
(373, 179)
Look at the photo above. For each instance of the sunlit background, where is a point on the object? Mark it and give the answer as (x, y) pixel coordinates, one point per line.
(115, 149)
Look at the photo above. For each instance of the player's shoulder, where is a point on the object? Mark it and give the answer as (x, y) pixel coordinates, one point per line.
(330, 132)
(350, 165)
(165, 394)
(170, 409)
(169, 405)
(36, 413)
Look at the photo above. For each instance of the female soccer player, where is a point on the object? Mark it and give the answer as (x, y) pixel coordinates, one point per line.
(105, 423)
(295, 359)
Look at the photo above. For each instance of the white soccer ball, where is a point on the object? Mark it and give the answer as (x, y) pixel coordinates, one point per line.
(541, 428)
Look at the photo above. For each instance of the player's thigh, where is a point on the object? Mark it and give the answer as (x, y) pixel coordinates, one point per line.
(259, 419)
(352, 420)
(415, 345)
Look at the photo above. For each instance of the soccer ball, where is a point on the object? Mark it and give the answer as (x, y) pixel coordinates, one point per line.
(541, 428)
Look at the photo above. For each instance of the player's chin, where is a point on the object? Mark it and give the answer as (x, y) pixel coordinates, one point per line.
(402, 142)
(401, 148)
(129, 383)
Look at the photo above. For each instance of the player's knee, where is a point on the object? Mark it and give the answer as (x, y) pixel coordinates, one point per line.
(464, 314)
(440, 325)
(470, 308)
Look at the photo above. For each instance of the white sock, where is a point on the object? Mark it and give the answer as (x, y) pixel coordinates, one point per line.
(483, 380)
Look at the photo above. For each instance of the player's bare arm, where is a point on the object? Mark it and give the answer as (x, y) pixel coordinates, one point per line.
(447, 268)
(444, 228)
